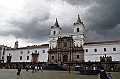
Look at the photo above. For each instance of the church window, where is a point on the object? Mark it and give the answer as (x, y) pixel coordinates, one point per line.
(21, 52)
(77, 56)
(54, 32)
(104, 49)
(95, 50)
(43, 51)
(20, 57)
(86, 50)
(114, 49)
(27, 57)
(77, 29)
(52, 57)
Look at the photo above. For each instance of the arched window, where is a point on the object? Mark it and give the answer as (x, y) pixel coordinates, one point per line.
(54, 32)
(86, 50)
(27, 57)
(104, 49)
(77, 29)
(114, 49)
(20, 57)
(52, 57)
(95, 50)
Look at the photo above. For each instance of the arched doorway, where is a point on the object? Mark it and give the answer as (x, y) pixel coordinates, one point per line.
(35, 59)
(65, 58)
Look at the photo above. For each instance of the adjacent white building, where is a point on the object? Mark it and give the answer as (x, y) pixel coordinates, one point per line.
(2, 51)
(34, 53)
(95, 50)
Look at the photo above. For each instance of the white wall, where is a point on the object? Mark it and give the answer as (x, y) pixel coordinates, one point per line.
(16, 53)
(95, 56)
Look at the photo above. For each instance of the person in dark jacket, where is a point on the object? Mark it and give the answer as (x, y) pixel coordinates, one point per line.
(33, 68)
(18, 70)
(103, 74)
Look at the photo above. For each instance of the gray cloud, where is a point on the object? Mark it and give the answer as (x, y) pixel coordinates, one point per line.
(102, 17)
(31, 22)
(82, 3)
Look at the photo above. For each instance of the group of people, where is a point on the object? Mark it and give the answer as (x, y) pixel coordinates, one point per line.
(36, 69)
(102, 74)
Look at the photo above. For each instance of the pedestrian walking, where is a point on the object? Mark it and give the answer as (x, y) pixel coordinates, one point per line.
(103, 74)
(27, 68)
(33, 68)
(18, 70)
(41, 68)
(38, 68)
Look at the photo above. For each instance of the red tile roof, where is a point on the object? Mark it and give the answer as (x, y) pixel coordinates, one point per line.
(31, 47)
(103, 42)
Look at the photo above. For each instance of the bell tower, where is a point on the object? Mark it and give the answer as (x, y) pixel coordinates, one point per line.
(79, 32)
(55, 32)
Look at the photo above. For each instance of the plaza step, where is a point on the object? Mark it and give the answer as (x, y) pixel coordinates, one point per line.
(53, 67)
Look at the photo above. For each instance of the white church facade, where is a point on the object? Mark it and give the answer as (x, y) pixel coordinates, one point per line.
(77, 35)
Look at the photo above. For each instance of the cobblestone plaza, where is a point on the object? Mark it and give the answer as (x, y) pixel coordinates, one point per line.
(48, 74)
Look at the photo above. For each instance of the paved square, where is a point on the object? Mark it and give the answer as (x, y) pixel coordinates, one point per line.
(47, 74)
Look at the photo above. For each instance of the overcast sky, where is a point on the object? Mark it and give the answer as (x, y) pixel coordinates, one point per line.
(29, 21)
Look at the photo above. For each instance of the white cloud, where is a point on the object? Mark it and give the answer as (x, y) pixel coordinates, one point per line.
(7, 40)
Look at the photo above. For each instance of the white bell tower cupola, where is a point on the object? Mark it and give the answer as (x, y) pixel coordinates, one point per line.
(79, 26)
(55, 32)
(79, 32)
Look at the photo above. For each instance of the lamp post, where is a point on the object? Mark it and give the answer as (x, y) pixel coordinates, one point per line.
(69, 68)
